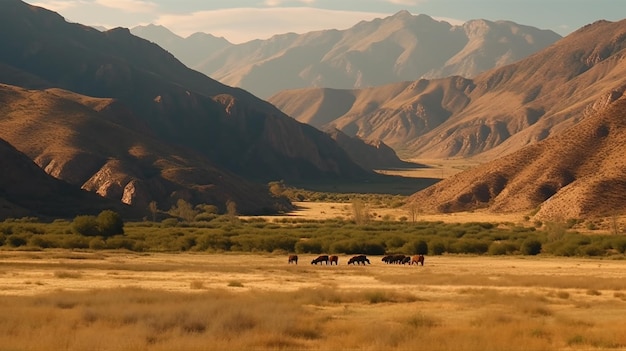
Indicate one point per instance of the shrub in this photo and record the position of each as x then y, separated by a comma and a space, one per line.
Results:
17, 240
497, 248
85, 225
437, 247
308, 246
110, 223
418, 247
169, 222
97, 244
471, 246
74, 242
531, 246
40, 241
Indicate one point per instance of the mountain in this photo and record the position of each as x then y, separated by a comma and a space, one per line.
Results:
371, 53
579, 173
371, 154
78, 139
192, 50
495, 113
26, 190
122, 109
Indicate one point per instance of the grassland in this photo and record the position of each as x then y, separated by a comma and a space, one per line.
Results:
58, 299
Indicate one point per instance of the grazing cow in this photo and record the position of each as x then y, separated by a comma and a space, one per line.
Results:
397, 259
293, 259
358, 260
417, 259
334, 259
387, 259
406, 259
320, 259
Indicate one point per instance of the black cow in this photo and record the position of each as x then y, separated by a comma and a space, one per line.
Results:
359, 259
320, 259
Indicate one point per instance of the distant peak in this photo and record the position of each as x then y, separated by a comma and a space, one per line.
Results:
402, 13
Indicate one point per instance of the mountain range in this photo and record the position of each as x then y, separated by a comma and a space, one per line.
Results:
402, 47
120, 116
491, 115
126, 121
549, 128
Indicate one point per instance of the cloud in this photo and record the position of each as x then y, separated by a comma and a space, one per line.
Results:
129, 6
245, 24
59, 5
281, 2
406, 2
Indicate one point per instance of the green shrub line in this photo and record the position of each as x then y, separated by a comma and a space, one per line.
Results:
225, 233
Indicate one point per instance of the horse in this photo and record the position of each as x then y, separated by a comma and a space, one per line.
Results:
332, 259
293, 259
358, 260
320, 259
417, 259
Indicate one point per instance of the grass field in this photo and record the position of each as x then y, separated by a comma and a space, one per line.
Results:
73, 300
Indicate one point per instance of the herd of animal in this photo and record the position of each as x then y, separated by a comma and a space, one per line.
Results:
362, 259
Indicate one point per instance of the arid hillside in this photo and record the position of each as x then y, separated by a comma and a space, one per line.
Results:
491, 115
370, 53
579, 173
77, 139
26, 190
95, 94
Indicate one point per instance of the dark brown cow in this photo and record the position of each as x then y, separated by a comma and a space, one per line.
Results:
358, 260
417, 259
293, 259
320, 259
332, 259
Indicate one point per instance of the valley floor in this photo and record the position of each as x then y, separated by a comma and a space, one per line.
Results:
75, 300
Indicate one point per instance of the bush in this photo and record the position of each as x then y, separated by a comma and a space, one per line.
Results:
16, 240
308, 246
97, 244
531, 247
110, 223
418, 247
85, 225
437, 247
169, 222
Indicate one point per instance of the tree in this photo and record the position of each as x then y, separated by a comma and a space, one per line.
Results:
184, 210
360, 212
277, 188
85, 225
152, 206
413, 210
231, 211
110, 223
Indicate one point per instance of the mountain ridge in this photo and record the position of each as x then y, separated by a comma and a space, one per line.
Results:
400, 47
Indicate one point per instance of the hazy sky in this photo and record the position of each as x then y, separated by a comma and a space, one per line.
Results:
244, 20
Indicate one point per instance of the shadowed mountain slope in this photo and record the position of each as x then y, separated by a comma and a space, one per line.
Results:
579, 173
494, 114
371, 53
142, 89
26, 190
77, 138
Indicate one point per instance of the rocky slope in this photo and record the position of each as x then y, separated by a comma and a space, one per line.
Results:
579, 173
491, 115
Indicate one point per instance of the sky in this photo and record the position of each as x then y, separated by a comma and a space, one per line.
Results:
243, 20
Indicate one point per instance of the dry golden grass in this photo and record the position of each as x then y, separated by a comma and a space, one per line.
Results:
111, 301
